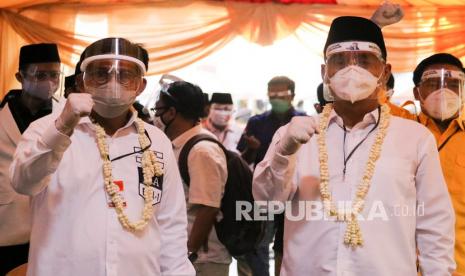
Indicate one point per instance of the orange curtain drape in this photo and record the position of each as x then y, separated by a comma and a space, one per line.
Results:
181, 32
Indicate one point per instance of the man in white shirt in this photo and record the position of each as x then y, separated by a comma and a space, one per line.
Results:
365, 189
221, 123
106, 193
39, 75
178, 112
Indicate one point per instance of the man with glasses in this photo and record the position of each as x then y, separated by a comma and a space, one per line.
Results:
105, 190
439, 83
39, 74
220, 121
254, 144
365, 188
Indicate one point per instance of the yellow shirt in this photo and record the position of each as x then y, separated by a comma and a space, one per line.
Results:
451, 145
400, 112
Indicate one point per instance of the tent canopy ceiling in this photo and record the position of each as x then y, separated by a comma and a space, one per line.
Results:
21, 4
177, 33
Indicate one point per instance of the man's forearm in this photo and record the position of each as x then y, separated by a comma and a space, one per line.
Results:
203, 223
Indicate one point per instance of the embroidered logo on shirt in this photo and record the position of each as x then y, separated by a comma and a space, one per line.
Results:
157, 181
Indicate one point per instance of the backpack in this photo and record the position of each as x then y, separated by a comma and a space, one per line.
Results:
238, 236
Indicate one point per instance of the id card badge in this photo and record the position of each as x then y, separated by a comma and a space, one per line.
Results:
120, 185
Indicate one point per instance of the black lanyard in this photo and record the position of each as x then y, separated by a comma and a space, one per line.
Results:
359, 144
139, 151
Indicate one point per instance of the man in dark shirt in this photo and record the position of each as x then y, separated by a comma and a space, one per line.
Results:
39, 75
253, 145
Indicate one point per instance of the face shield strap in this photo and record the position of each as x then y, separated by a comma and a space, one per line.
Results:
354, 46
280, 94
113, 56
442, 74
166, 93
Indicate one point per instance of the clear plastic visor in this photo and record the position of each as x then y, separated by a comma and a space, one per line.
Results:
112, 79
364, 59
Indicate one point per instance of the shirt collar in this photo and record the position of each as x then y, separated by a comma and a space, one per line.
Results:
183, 138
426, 121
369, 118
86, 120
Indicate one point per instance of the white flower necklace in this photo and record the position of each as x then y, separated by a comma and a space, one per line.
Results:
150, 168
353, 234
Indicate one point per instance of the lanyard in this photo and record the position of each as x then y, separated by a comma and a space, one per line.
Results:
359, 144
135, 152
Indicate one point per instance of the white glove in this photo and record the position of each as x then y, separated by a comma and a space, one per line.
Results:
77, 106
387, 14
299, 131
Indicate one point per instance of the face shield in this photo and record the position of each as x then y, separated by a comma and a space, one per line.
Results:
164, 84
440, 92
112, 81
166, 80
41, 80
353, 70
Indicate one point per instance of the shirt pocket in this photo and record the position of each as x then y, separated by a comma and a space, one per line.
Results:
457, 182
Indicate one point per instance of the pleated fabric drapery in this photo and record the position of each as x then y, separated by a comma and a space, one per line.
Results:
180, 32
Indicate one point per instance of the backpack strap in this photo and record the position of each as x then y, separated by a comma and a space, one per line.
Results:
182, 161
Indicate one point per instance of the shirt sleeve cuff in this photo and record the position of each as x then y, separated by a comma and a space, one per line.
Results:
208, 203
54, 139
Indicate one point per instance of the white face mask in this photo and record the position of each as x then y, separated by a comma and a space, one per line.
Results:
353, 83
112, 99
442, 104
220, 117
43, 90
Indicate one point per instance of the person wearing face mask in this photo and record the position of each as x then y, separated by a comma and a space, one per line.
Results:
178, 113
439, 83
106, 194
220, 121
386, 98
355, 160
260, 128
39, 75
254, 143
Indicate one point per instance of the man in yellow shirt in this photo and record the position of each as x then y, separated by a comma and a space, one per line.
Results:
395, 109
439, 83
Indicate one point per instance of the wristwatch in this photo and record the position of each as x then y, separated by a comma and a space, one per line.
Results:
192, 256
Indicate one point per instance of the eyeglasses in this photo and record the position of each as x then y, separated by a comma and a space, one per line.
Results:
158, 108
365, 60
101, 76
43, 75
